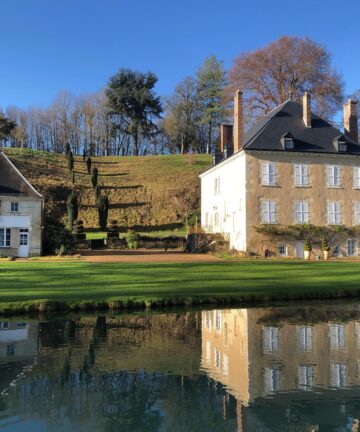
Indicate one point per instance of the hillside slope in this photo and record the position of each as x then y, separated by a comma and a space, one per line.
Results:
149, 191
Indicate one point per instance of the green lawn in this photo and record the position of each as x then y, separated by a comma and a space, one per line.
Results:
75, 283
95, 235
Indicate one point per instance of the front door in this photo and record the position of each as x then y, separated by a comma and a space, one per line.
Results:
299, 249
24, 243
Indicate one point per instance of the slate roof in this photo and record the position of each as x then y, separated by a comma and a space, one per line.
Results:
12, 182
266, 134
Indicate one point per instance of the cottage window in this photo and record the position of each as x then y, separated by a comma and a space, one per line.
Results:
333, 176
225, 364
334, 213
302, 175
356, 177
14, 207
301, 212
268, 174
305, 377
268, 212
5, 237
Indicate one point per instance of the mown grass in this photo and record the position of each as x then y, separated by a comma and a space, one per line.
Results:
40, 286
98, 235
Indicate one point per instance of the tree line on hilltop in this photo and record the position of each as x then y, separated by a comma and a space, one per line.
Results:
127, 117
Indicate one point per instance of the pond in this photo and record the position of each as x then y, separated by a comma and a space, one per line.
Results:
291, 368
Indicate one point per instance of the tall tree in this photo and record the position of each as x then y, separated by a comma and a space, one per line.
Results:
211, 82
290, 65
102, 205
72, 208
131, 98
183, 115
6, 127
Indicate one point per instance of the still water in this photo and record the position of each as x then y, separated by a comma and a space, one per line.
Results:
258, 369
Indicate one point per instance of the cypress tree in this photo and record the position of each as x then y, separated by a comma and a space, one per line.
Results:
88, 164
72, 208
70, 165
102, 205
67, 149
84, 154
94, 177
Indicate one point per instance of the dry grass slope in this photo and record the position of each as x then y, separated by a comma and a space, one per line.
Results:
150, 191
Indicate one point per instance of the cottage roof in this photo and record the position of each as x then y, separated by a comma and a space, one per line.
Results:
12, 182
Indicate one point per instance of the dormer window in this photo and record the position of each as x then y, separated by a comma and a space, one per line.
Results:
341, 144
287, 141
289, 144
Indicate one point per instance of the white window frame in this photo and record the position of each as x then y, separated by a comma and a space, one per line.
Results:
14, 207
333, 176
301, 212
271, 339
337, 336
305, 338
357, 213
338, 374
356, 177
337, 250
268, 212
305, 377
282, 250
268, 174
334, 213
272, 379
353, 249
6, 238
217, 186
301, 175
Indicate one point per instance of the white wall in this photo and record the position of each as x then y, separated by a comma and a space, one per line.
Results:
229, 204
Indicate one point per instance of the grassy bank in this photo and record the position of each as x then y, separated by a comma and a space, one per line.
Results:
42, 286
150, 193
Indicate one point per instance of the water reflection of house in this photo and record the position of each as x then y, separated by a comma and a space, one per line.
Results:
254, 355
18, 340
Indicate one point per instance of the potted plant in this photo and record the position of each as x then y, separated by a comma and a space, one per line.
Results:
307, 249
325, 248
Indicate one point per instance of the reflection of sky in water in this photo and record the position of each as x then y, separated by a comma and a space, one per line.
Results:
284, 369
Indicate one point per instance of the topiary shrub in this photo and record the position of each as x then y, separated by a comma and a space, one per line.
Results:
94, 177
102, 205
308, 246
88, 164
113, 229
72, 208
132, 239
79, 230
325, 245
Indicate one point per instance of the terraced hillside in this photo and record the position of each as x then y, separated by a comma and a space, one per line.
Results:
150, 191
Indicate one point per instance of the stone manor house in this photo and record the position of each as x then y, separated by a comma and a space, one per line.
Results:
292, 167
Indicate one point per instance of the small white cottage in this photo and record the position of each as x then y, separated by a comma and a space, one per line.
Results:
21, 209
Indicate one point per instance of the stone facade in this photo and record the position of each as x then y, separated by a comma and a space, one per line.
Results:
293, 168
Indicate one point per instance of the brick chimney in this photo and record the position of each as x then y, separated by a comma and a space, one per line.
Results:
351, 120
238, 121
226, 136
307, 109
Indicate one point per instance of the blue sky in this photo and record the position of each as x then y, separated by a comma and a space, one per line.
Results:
76, 45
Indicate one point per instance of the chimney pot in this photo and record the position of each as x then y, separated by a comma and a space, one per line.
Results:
351, 120
307, 109
238, 121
